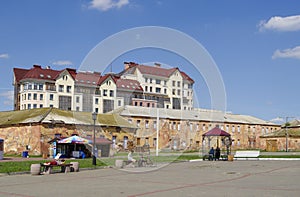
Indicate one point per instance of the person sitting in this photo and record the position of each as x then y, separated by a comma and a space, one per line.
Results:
130, 157
211, 154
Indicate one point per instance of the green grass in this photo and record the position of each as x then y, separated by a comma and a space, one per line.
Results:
24, 166
279, 156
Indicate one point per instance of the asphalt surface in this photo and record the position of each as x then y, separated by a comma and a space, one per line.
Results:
201, 178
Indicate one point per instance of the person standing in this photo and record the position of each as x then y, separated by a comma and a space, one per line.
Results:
218, 153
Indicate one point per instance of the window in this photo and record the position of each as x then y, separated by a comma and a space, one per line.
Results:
51, 106
147, 124
111, 93
138, 122
41, 97
174, 125
141, 103
146, 80
165, 82
173, 91
35, 86
179, 127
150, 89
157, 81
60, 88
104, 92
203, 127
173, 83
29, 96
96, 110
178, 92
119, 102
146, 88
227, 128
29, 106
40, 86
191, 126
77, 99
41, 105
69, 89
77, 108
233, 129
239, 129
51, 97
165, 90
34, 106
34, 96
157, 90
154, 125
150, 80
178, 83
96, 101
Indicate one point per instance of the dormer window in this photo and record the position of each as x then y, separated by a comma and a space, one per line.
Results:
41, 75
49, 76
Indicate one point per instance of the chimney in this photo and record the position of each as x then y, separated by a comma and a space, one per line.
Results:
126, 65
157, 65
37, 66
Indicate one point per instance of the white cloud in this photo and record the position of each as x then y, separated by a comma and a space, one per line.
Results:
277, 120
8, 97
287, 53
104, 5
278, 23
62, 63
4, 56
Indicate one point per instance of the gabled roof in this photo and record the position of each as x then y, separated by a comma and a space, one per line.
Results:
124, 84
87, 78
37, 72
155, 70
129, 84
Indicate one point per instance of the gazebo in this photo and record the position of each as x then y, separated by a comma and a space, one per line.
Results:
217, 133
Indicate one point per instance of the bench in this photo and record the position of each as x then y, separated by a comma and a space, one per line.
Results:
249, 154
48, 168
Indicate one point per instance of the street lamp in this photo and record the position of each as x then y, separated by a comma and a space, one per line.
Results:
157, 129
94, 116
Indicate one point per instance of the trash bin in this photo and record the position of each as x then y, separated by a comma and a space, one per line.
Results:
25, 154
230, 157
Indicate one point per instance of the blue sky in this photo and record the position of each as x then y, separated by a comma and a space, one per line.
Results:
254, 43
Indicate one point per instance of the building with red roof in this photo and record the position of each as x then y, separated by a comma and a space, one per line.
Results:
137, 85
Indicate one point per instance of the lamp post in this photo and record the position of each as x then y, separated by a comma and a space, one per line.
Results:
94, 116
157, 130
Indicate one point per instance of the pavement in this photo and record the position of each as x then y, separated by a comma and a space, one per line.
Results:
200, 178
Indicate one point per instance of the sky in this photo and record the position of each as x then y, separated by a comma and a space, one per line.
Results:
255, 44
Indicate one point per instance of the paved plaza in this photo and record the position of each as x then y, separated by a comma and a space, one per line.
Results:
201, 178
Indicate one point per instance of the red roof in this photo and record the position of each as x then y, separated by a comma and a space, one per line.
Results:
125, 84
128, 84
88, 78
37, 72
156, 71
216, 132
